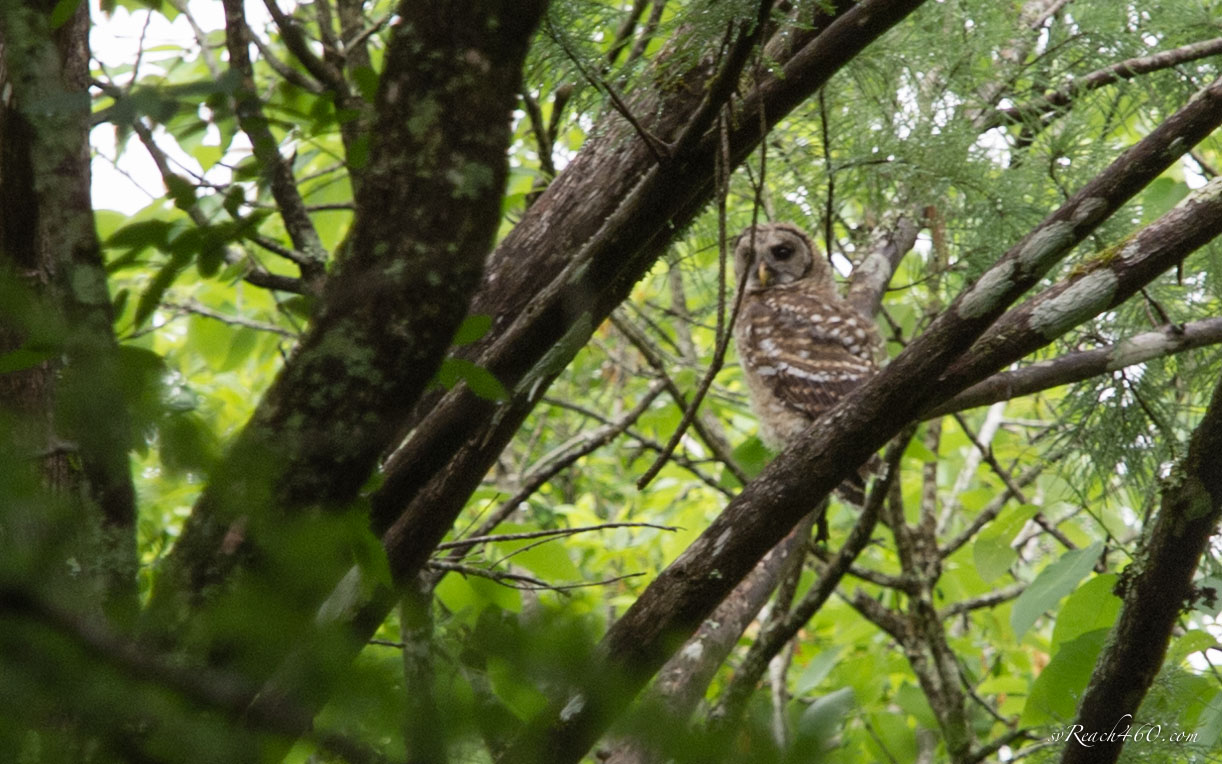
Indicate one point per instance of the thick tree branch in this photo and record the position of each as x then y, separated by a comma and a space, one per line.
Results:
390, 309
1122, 70
49, 247
279, 174
768, 644
687, 591
1076, 367
1101, 283
203, 688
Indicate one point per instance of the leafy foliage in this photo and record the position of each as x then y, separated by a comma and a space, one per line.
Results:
210, 295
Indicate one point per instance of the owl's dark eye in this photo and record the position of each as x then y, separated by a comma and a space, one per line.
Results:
782, 252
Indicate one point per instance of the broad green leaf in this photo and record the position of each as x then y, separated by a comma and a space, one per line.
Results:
515, 690
816, 670
480, 380
911, 699
548, 561
242, 343
24, 358
1211, 601
1193, 641
992, 551
1092, 607
209, 338
1209, 724
469, 595
186, 444
822, 719
472, 329
161, 281
1056, 691
751, 456
919, 451
63, 10
1053, 583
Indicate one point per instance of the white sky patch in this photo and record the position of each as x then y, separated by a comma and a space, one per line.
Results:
996, 147
127, 181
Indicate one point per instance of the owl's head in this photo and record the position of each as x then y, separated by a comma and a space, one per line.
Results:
777, 253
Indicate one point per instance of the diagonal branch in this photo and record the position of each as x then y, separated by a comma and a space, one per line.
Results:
1076, 367
1122, 70
1101, 283
687, 591
280, 175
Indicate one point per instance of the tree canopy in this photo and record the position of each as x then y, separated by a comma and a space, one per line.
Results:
402, 422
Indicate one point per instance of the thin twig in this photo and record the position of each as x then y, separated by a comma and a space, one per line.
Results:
1014, 490
660, 150
295, 41
596, 439
719, 448
496, 538
191, 306
722, 333
506, 578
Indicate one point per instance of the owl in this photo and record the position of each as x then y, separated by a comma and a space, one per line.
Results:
801, 345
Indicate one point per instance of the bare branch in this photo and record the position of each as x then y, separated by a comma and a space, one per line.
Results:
471, 540
191, 306
509, 579
1082, 365
280, 175
1099, 78
778, 633
295, 41
992, 599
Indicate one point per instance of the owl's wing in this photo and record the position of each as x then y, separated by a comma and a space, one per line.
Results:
811, 352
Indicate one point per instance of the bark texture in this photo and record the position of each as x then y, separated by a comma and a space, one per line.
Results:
428, 209
68, 408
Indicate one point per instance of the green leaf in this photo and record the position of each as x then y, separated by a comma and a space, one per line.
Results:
823, 718
919, 451
911, 699
549, 561
517, 693
472, 329
1092, 607
1209, 724
162, 281
63, 10
1053, 583
23, 358
1193, 641
366, 82
186, 444
480, 380
752, 456
468, 596
992, 551
817, 670
1056, 691
1211, 602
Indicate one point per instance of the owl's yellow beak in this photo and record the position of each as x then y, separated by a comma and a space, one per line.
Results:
764, 274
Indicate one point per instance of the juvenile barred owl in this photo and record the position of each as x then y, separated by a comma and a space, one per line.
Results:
802, 346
